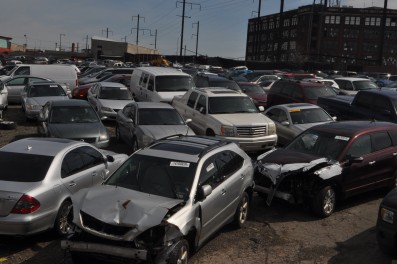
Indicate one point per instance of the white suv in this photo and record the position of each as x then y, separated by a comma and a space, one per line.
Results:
229, 114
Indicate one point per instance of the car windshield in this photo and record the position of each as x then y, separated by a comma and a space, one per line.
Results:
230, 105
252, 89
391, 85
158, 116
73, 114
319, 144
364, 85
115, 93
312, 115
46, 90
13, 167
173, 83
155, 175
314, 92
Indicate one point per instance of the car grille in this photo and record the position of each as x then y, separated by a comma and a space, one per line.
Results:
88, 140
254, 131
97, 225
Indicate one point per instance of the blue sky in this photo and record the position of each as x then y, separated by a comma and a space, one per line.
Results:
222, 31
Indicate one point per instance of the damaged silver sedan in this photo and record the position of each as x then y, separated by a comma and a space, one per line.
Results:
164, 202
330, 162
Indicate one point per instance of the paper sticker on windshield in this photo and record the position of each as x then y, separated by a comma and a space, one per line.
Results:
179, 164
123, 88
342, 138
53, 85
210, 167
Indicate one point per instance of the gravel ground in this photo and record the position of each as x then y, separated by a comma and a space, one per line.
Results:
282, 233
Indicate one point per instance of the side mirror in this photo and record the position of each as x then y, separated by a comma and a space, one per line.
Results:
109, 158
204, 191
150, 87
41, 118
285, 123
130, 120
261, 108
104, 117
188, 121
202, 110
335, 118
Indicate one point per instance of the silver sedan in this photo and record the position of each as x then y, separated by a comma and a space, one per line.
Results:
141, 123
38, 177
292, 119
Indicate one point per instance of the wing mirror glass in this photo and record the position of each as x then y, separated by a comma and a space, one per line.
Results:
285, 123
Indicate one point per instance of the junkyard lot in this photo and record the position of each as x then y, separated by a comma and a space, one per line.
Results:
281, 233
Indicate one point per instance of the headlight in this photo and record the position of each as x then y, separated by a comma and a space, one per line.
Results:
147, 140
103, 137
227, 131
386, 215
106, 109
272, 128
33, 107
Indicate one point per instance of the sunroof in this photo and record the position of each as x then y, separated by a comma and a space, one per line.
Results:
179, 148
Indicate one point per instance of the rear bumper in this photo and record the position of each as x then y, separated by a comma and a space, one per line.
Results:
23, 225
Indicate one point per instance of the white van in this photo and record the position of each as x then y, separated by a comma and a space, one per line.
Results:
159, 84
60, 73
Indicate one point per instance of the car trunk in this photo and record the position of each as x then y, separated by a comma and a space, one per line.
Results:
11, 192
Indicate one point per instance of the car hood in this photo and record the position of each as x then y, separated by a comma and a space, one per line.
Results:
158, 131
76, 130
390, 199
115, 104
303, 127
43, 100
243, 119
120, 206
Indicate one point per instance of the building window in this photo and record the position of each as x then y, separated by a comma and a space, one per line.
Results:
293, 33
330, 32
372, 21
271, 24
352, 20
285, 33
332, 19
391, 22
350, 33
284, 46
292, 45
264, 25
294, 21
286, 22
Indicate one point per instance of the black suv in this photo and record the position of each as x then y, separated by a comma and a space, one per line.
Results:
386, 226
291, 91
212, 80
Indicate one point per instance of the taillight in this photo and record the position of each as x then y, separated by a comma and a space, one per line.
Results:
26, 205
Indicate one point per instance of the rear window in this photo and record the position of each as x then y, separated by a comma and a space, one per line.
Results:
173, 83
20, 167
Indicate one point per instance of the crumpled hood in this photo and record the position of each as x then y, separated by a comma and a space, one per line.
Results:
120, 206
286, 156
115, 104
243, 119
157, 131
43, 100
76, 130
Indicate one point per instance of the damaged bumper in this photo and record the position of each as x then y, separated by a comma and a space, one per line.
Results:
84, 247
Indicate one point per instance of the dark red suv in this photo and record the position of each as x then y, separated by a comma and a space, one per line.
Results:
330, 162
290, 91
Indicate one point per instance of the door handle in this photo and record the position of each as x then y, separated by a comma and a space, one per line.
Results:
242, 176
94, 174
223, 192
371, 162
71, 184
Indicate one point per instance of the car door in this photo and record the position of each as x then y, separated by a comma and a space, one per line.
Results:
187, 111
14, 87
126, 127
151, 94
92, 96
142, 93
200, 117
81, 168
274, 114
43, 120
375, 164
213, 207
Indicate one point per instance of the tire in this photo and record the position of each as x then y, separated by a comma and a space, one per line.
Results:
323, 204
62, 223
240, 217
135, 146
7, 125
180, 253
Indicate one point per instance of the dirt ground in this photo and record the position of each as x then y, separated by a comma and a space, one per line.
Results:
282, 233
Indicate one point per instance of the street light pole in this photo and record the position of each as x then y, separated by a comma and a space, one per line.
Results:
60, 41
26, 42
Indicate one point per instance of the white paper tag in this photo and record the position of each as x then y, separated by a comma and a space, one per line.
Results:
179, 164
210, 167
342, 138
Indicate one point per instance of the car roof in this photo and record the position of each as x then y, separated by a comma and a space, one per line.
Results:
39, 146
303, 83
352, 79
186, 148
352, 128
220, 92
162, 71
152, 105
70, 102
296, 106
111, 84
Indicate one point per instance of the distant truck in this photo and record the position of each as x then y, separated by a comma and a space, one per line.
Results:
373, 104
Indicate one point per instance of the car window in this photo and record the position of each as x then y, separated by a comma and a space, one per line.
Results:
72, 163
297, 93
209, 174
16, 81
150, 85
22, 71
228, 163
34, 79
91, 157
364, 100
360, 147
349, 86
380, 140
202, 104
273, 114
381, 104
192, 99
393, 135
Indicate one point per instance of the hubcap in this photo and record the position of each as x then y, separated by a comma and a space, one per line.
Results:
182, 259
329, 201
243, 210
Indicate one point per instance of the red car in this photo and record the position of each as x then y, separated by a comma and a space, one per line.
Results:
330, 162
256, 92
81, 91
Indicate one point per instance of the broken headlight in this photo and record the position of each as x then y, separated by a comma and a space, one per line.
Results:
387, 215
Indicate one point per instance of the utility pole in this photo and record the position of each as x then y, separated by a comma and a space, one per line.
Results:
382, 34
259, 9
183, 20
107, 32
137, 27
197, 35
155, 38
86, 44
125, 39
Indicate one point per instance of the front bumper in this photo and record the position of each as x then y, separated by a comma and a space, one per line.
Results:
32, 114
251, 144
94, 248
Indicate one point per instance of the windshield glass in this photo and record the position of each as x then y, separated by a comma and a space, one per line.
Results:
319, 144
173, 83
13, 167
313, 115
115, 93
46, 90
252, 89
230, 105
314, 92
154, 175
73, 114
364, 85
159, 117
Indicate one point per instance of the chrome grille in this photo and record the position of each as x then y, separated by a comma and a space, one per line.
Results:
254, 131
97, 225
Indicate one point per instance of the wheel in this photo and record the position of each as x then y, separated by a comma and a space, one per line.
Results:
135, 146
63, 221
241, 214
180, 253
210, 133
118, 138
324, 202
7, 125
